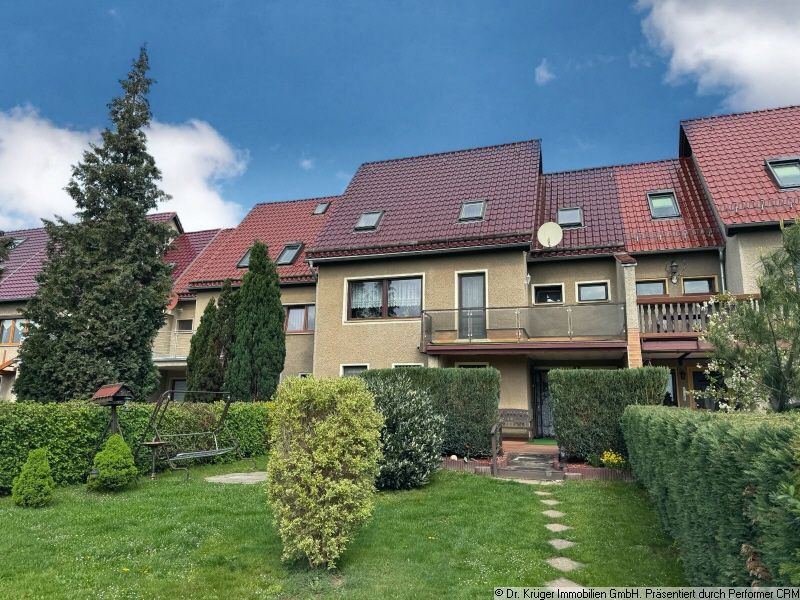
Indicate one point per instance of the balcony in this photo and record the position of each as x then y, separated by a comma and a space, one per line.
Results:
172, 345
536, 327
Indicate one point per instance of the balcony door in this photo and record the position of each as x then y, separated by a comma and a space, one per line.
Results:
472, 306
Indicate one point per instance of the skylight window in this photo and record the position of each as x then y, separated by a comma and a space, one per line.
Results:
288, 254
16, 242
785, 172
320, 208
369, 221
472, 210
663, 205
570, 217
245, 262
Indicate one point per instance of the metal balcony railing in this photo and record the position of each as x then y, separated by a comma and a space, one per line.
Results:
523, 324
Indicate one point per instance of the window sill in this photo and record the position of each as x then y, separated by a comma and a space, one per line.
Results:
384, 320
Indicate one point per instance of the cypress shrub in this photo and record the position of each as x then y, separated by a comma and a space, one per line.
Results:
588, 404
325, 438
70, 430
724, 487
114, 468
411, 436
34, 486
467, 398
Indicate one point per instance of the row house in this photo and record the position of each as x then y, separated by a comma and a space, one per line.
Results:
436, 261
18, 284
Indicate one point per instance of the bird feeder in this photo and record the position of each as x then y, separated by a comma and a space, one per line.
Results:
112, 395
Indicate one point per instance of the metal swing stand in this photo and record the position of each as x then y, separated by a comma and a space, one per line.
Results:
168, 445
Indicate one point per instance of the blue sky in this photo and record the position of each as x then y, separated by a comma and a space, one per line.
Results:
287, 99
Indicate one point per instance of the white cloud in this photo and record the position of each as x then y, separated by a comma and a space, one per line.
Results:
741, 48
306, 164
36, 157
543, 74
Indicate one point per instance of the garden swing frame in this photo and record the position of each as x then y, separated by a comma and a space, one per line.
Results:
167, 445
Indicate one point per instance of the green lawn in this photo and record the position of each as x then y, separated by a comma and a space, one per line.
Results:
542, 442
463, 533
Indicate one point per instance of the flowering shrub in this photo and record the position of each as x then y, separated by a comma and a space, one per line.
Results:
613, 460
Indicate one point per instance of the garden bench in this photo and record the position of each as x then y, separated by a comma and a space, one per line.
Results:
517, 418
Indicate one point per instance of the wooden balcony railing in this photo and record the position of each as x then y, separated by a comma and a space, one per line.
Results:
678, 314
172, 344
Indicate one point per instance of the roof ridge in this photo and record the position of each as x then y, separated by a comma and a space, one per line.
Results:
632, 164
446, 152
8, 233
739, 114
202, 230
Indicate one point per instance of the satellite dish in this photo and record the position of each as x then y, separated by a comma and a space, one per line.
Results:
549, 234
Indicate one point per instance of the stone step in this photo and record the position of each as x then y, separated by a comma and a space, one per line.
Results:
530, 474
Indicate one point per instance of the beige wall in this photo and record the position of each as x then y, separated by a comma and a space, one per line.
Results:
690, 264
570, 272
515, 388
742, 258
382, 343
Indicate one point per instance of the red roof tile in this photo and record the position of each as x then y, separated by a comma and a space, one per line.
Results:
186, 247
18, 277
616, 211
421, 198
275, 224
731, 151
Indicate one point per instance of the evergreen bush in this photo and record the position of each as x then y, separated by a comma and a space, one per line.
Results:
69, 431
34, 486
725, 488
114, 468
412, 433
588, 404
467, 398
325, 437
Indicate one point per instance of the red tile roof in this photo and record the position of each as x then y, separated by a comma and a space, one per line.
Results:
25, 261
166, 217
731, 151
275, 224
616, 212
421, 198
186, 248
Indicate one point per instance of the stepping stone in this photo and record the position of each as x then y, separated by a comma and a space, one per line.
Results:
550, 502
554, 514
563, 564
560, 544
246, 478
562, 582
557, 527
538, 493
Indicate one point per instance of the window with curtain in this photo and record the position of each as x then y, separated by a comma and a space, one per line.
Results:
385, 298
300, 318
12, 331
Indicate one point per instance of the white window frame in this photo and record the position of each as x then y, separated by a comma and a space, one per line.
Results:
343, 365
578, 284
462, 219
321, 208
554, 284
485, 293
406, 364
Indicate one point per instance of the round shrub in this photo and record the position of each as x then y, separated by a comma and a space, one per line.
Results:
34, 486
114, 467
412, 433
325, 440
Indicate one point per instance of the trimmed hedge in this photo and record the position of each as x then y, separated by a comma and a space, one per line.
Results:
719, 483
69, 431
467, 398
588, 404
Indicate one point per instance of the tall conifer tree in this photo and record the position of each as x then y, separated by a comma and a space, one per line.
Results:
259, 348
104, 286
203, 366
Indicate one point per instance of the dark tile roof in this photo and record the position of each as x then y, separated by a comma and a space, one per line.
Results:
275, 224
731, 151
617, 214
25, 261
421, 198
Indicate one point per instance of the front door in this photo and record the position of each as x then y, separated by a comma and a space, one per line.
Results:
472, 306
542, 406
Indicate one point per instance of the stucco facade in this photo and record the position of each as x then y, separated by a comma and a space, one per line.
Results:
742, 258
